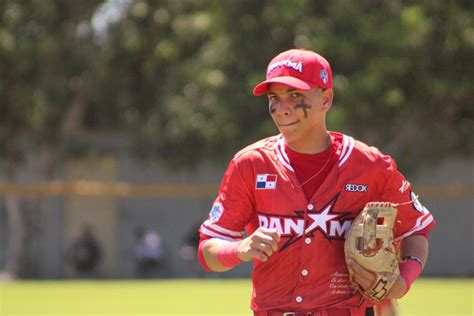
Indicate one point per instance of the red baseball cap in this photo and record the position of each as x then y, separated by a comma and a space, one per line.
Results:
298, 68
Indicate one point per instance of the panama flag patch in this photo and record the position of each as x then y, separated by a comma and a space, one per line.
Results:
266, 181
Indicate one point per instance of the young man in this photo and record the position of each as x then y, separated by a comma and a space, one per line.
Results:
295, 195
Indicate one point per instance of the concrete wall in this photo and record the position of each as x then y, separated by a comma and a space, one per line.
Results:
99, 213
452, 240
172, 218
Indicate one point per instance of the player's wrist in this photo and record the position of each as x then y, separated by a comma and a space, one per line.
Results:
398, 289
227, 254
410, 268
414, 258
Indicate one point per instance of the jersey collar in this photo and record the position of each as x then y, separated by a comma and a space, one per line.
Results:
343, 151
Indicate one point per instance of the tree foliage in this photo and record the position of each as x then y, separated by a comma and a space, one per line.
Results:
47, 61
177, 75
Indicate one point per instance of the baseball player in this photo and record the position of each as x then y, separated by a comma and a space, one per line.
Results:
287, 201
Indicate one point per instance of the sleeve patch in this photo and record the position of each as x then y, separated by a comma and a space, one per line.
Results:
216, 212
416, 203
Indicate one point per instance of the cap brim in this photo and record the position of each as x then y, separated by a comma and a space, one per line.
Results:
293, 82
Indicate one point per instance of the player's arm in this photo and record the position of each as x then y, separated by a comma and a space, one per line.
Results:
413, 223
222, 255
414, 253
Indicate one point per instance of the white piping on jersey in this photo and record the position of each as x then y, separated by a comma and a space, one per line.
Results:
345, 140
283, 151
222, 230
347, 147
280, 150
421, 223
213, 234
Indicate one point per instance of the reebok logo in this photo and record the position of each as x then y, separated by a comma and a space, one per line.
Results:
350, 187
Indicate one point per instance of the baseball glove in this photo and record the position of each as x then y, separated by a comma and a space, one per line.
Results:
369, 242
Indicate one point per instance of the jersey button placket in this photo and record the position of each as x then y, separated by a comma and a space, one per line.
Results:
310, 207
304, 278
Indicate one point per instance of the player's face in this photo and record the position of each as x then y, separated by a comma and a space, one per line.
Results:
299, 114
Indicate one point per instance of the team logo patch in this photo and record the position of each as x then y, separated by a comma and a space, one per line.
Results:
266, 181
216, 212
323, 74
351, 187
416, 203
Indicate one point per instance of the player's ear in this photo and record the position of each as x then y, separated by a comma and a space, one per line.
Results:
327, 96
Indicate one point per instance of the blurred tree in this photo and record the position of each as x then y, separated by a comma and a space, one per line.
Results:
404, 75
180, 73
47, 61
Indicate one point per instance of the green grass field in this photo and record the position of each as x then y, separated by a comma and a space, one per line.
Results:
195, 297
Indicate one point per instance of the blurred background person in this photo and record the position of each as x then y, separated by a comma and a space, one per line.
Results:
85, 253
149, 253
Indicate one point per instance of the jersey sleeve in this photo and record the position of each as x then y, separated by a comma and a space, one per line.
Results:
412, 218
233, 207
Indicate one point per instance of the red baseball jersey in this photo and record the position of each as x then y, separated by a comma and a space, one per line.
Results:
308, 271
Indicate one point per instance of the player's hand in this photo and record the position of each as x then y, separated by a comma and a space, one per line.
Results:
260, 245
362, 277
365, 279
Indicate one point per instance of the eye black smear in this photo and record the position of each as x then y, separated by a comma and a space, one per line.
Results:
305, 108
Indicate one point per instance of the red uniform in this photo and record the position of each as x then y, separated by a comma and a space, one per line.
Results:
308, 272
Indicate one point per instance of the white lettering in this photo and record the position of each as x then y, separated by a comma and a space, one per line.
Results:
298, 66
356, 187
337, 230
262, 221
405, 186
294, 226
276, 224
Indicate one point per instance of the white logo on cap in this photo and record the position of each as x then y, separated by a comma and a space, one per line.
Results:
323, 74
298, 66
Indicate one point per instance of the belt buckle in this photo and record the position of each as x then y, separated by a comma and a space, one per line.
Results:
289, 314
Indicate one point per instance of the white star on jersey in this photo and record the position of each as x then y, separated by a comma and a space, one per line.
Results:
320, 220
